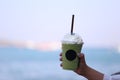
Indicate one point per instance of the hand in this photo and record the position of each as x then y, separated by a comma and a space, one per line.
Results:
86, 71
82, 67
81, 70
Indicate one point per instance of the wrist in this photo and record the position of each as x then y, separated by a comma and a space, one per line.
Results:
85, 71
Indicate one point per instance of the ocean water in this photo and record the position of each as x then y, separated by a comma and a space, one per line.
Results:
25, 64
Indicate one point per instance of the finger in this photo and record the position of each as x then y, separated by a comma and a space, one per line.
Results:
61, 59
61, 65
60, 54
82, 58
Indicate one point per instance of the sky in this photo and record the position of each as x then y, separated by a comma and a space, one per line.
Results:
96, 21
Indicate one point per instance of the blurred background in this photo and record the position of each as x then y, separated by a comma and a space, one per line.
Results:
31, 32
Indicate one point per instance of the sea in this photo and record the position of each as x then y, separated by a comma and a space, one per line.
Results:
30, 64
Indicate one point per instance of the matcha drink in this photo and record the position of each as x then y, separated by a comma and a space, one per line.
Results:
71, 47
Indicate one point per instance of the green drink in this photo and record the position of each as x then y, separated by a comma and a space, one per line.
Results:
71, 47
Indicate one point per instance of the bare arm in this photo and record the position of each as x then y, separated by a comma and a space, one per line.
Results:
86, 71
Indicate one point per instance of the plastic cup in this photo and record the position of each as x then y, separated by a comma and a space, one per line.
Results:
71, 47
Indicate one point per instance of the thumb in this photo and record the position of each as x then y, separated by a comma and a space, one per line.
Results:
82, 58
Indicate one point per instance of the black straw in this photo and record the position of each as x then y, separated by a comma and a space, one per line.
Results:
72, 24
